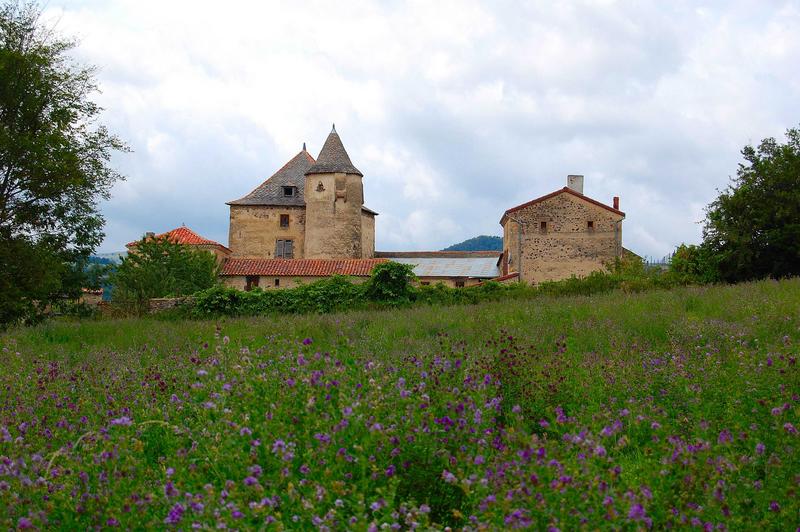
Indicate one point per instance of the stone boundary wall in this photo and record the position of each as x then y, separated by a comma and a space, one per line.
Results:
159, 304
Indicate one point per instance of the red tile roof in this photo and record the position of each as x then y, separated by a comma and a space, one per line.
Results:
300, 267
556, 193
184, 235
506, 277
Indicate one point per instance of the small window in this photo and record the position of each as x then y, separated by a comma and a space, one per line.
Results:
277, 282
459, 284
543, 227
289, 192
284, 220
590, 225
284, 249
425, 283
250, 282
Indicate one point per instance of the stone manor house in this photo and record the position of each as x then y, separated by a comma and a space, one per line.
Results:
309, 221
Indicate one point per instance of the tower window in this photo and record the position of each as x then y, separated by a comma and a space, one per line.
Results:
289, 192
590, 225
283, 249
284, 220
543, 227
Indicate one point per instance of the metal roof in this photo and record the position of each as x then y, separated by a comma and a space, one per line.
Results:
479, 267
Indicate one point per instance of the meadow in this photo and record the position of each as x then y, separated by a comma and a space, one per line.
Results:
662, 409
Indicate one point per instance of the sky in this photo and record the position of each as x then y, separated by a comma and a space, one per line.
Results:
454, 111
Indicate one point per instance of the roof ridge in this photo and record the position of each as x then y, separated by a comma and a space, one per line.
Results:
556, 193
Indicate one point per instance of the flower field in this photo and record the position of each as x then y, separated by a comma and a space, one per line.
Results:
662, 409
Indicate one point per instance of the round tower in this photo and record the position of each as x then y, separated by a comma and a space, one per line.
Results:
334, 196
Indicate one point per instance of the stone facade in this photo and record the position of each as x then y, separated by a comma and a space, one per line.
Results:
333, 216
255, 230
268, 282
560, 235
367, 234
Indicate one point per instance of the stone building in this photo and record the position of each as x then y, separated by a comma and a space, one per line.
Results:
308, 209
311, 212
559, 235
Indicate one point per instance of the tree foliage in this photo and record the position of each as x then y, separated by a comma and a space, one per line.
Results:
753, 228
159, 268
54, 163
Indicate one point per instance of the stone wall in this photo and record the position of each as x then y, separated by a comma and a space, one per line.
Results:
448, 281
254, 230
159, 304
267, 282
367, 235
333, 216
567, 246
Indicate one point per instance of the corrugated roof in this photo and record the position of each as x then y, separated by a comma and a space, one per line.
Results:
270, 192
184, 235
300, 267
566, 190
476, 267
438, 254
333, 158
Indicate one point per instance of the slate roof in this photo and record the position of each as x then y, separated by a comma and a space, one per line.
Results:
184, 235
564, 190
333, 158
300, 267
270, 192
471, 267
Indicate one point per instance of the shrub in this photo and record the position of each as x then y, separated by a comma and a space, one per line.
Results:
390, 282
161, 268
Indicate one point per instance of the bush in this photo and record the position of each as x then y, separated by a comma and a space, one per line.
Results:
161, 268
390, 282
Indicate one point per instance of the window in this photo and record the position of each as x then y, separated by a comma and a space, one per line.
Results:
289, 192
284, 220
425, 283
590, 225
459, 284
543, 227
277, 282
250, 282
283, 249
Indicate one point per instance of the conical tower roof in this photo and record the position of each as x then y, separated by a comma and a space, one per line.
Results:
333, 158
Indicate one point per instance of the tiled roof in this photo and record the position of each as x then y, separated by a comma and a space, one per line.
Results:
300, 267
184, 235
452, 266
270, 192
506, 277
333, 158
438, 254
566, 190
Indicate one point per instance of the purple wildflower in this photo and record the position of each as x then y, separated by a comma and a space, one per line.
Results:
175, 514
124, 420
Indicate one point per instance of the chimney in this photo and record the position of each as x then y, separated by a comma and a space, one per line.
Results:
575, 182
616, 202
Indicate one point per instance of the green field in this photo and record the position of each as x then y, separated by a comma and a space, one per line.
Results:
666, 408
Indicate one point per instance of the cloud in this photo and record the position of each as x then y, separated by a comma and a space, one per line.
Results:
454, 111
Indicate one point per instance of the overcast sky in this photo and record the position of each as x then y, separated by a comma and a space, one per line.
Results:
453, 111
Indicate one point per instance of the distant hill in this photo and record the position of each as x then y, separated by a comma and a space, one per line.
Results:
479, 243
108, 258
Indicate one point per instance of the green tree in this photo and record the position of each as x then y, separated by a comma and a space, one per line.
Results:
159, 267
390, 282
694, 264
753, 227
54, 164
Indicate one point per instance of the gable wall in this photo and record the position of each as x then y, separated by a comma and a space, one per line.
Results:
254, 230
567, 247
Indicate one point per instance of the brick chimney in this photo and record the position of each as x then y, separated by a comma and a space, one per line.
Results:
616, 202
575, 182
